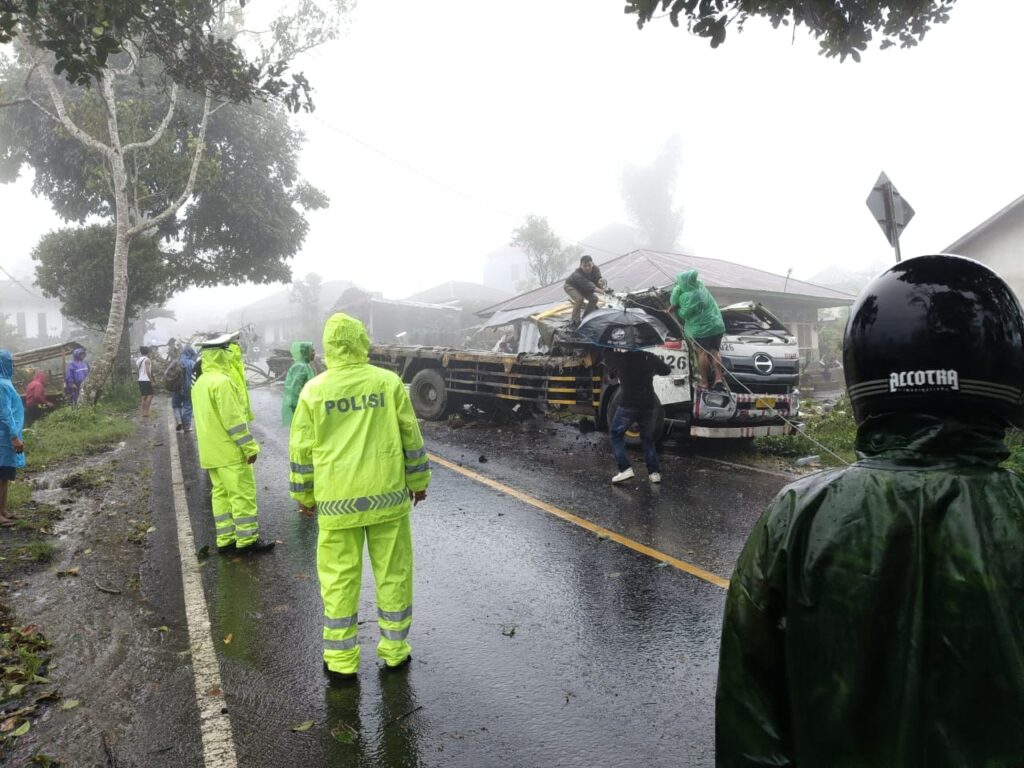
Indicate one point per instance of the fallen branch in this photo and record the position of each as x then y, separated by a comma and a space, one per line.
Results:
108, 590
394, 720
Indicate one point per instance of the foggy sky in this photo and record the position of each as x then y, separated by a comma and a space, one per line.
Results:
536, 107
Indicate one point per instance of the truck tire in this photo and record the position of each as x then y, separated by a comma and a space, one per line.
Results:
633, 433
429, 394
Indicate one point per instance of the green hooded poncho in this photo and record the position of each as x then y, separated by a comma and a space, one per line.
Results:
876, 617
300, 372
697, 308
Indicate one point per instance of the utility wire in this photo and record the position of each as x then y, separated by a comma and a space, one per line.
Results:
21, 285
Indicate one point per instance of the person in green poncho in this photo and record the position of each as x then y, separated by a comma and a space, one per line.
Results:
702, 323
875, 616
296, 378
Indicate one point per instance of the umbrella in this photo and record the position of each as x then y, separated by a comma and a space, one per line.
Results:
621, 329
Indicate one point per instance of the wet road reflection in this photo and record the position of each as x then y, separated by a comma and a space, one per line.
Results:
535, 642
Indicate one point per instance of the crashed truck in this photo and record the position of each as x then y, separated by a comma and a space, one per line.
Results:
543, 363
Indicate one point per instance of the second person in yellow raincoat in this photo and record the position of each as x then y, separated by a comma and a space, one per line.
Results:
358, 462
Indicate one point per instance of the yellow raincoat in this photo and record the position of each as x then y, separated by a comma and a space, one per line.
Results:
357, 453
225, 445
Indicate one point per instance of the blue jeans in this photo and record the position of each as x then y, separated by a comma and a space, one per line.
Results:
623, 419
182, 407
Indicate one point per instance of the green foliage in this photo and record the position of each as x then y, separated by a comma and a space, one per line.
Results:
70, 432
186, 36
649, 194
836, 430
306, 294
243, 222
546, 256
842, 27
1015, 442
74, 266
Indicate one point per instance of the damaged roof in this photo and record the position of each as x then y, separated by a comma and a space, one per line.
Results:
643, 269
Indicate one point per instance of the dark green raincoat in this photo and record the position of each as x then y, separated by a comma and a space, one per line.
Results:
876, 615
697, 308
296, 378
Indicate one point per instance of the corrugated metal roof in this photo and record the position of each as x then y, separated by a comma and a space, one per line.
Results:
644, 269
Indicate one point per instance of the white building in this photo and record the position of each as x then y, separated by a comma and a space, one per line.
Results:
34, 316
998, 242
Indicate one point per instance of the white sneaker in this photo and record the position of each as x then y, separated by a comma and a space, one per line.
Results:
626, 474
654, 477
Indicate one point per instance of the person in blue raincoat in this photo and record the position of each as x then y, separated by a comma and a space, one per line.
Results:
12, 420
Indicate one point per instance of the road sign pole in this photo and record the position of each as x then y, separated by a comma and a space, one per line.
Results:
890, 205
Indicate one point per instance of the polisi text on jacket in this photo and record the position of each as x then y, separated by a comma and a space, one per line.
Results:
356, 403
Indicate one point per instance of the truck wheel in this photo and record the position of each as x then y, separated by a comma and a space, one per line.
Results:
633, 433
429, 394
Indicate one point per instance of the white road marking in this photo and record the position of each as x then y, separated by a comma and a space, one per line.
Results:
214, 724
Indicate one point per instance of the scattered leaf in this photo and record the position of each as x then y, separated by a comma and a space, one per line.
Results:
344, 733
16, 689
509, 631
8, 725
67, 572
229, 638
163, 629
662, 564
215, 691
70, 704
602, 536
151, 529
40, 679
303, 727
22, 729
87, 552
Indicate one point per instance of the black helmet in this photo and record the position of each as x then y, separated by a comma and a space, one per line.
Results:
942, 335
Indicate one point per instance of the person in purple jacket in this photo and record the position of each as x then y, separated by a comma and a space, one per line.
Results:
75, 375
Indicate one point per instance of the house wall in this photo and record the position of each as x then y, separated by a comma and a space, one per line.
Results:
34, 317
1001, 246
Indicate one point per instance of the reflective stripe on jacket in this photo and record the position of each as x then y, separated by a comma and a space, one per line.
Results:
355, 448
220, 413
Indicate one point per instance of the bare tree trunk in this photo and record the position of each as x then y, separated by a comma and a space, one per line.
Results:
101, 368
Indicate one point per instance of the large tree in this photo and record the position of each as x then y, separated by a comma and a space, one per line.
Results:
842, 27
74, 266
547, 257
649, 194
217, 180
187, 36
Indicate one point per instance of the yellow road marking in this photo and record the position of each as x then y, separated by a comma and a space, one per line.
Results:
636, 546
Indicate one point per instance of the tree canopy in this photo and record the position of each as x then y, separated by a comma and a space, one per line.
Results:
74, 266
842, 27
546, 256
649, 195
187, 36
245, 218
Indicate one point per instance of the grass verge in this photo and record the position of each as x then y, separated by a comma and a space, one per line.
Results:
835, 430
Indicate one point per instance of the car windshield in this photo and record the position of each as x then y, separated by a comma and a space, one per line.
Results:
750, 321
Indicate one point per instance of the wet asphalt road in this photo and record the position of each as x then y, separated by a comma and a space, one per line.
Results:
536, 643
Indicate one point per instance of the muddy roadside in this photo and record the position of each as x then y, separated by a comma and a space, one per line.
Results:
93, 652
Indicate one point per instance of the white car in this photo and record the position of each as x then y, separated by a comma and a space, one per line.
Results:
758, 351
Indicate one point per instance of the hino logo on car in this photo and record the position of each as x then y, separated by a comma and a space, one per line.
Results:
924, 380
763, 363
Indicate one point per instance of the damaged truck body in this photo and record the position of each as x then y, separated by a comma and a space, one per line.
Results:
543, 364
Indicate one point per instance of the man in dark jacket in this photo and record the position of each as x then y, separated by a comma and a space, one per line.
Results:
637, 404
875, 616
583, 287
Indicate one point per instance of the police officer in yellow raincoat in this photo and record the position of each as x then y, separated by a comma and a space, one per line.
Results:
227, 449
358, 462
